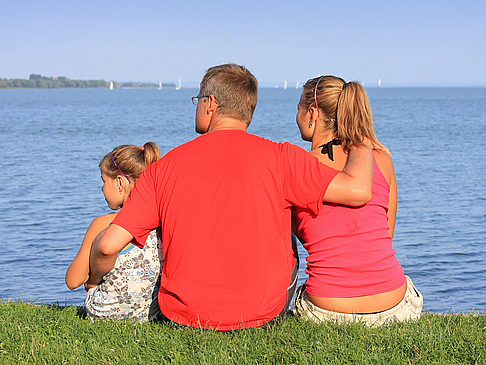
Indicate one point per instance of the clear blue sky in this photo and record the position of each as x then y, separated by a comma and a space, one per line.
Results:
402, 42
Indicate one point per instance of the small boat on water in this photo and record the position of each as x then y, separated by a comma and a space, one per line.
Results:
179, 86
160, 85
111, 85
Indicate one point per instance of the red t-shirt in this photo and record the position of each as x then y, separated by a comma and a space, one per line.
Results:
223, 201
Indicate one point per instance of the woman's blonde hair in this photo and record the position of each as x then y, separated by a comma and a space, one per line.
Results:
129, 160
345, 107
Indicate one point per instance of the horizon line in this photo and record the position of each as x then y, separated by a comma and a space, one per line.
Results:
291, 84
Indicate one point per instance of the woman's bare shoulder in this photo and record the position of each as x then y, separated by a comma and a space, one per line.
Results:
385, 163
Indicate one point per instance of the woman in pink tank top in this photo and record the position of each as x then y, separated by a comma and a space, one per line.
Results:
353, 272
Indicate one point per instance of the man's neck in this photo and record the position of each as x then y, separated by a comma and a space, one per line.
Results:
227, 123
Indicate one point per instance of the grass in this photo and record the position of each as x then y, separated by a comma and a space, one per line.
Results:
61, 335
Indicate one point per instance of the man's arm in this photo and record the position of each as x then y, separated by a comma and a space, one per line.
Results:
353, 186
104, 251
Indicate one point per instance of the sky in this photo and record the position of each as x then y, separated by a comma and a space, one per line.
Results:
407, 43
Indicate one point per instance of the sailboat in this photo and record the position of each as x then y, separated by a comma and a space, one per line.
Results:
111, 85
285, 84
160, 85
178, 87
379, 82
297, 85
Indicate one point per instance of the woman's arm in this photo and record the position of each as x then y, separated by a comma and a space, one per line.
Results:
392, 205
385, 163
78, 272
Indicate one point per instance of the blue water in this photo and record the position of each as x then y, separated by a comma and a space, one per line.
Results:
50, 189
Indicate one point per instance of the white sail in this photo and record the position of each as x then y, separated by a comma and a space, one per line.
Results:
379, 82
111, 85
179, 86
285, 84
297, 85
160, 85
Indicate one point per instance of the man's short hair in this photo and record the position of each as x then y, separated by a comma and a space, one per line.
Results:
234, 88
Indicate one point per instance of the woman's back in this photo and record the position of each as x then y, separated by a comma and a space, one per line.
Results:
353, 272
350, 249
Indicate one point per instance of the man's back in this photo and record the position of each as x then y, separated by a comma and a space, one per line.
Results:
222, 200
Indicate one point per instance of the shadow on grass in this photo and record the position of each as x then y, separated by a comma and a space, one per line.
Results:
80, 310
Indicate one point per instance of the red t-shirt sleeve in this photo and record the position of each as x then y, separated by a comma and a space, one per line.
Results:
306, 179
139, 214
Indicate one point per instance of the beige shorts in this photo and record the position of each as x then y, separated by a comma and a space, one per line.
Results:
408, 309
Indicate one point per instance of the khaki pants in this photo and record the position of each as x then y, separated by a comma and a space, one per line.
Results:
409, 308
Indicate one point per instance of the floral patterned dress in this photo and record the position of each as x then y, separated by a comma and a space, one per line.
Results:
128, 290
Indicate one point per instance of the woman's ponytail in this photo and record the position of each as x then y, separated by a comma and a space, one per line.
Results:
345, 107
354, 121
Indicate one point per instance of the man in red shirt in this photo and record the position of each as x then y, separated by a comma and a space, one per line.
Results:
223, 201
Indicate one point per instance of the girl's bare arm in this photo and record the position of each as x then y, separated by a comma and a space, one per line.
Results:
78, 272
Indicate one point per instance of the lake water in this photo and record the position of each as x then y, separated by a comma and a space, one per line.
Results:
50, 187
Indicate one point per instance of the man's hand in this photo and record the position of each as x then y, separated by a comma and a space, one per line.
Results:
383, 148
376, 146
353, 186
88, 285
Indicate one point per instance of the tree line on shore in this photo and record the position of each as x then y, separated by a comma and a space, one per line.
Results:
36, 81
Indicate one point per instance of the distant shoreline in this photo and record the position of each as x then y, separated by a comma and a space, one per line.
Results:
36, 81
71, 88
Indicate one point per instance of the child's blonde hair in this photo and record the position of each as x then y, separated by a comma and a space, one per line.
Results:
129, 160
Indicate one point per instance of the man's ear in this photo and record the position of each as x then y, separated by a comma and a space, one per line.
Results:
212, 104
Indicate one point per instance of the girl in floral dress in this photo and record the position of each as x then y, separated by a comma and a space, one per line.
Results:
129, 290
